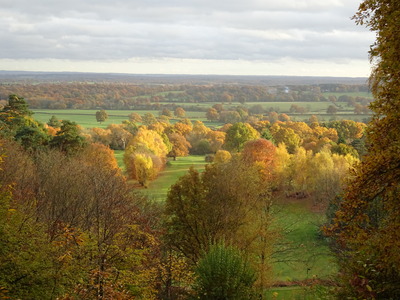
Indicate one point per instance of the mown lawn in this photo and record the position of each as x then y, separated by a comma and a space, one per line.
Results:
87, 118
119, 155
308, 255
158, 189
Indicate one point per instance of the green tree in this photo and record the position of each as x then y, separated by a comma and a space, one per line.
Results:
101, 116
343, 149
288, 137
68, 138
238, 134
17, 106
331, 110
32, 137
15, 115
54, 122
224, 273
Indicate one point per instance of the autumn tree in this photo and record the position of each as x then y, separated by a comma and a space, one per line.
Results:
119, 136
166, 112
135, 117
180, 146
198, 138
366, 226
148, 119
260, 152
101, 116
144, 145
99, 135
216, 139
179, 112
182, 128
212, 114
222, 156
288, 137
78, 223
222, 203
347, 130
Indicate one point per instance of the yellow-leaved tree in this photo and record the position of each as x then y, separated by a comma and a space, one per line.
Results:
145, 145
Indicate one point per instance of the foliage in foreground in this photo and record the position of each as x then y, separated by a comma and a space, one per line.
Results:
223, 273
366, 226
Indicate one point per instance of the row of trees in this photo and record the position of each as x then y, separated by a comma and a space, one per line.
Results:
148, 146
83, 95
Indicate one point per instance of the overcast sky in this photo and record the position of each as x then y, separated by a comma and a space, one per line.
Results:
242, 37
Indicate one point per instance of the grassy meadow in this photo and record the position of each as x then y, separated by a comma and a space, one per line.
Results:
87, 118
308, 257
158, 189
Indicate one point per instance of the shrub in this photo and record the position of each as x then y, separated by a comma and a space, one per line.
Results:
223, 273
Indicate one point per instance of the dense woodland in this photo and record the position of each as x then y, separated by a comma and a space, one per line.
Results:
74, 226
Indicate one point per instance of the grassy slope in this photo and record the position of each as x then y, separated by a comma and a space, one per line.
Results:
158, 188
309, 256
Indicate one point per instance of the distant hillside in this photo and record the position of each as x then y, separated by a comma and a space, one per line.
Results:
40, 77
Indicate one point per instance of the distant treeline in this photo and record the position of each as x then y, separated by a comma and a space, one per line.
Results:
128, 96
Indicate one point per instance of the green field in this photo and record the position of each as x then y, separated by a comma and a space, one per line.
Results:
354, 94
158, 188
308, 256
119, 155
87, 118
316, 292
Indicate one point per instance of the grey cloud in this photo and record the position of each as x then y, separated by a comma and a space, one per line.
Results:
201, 29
